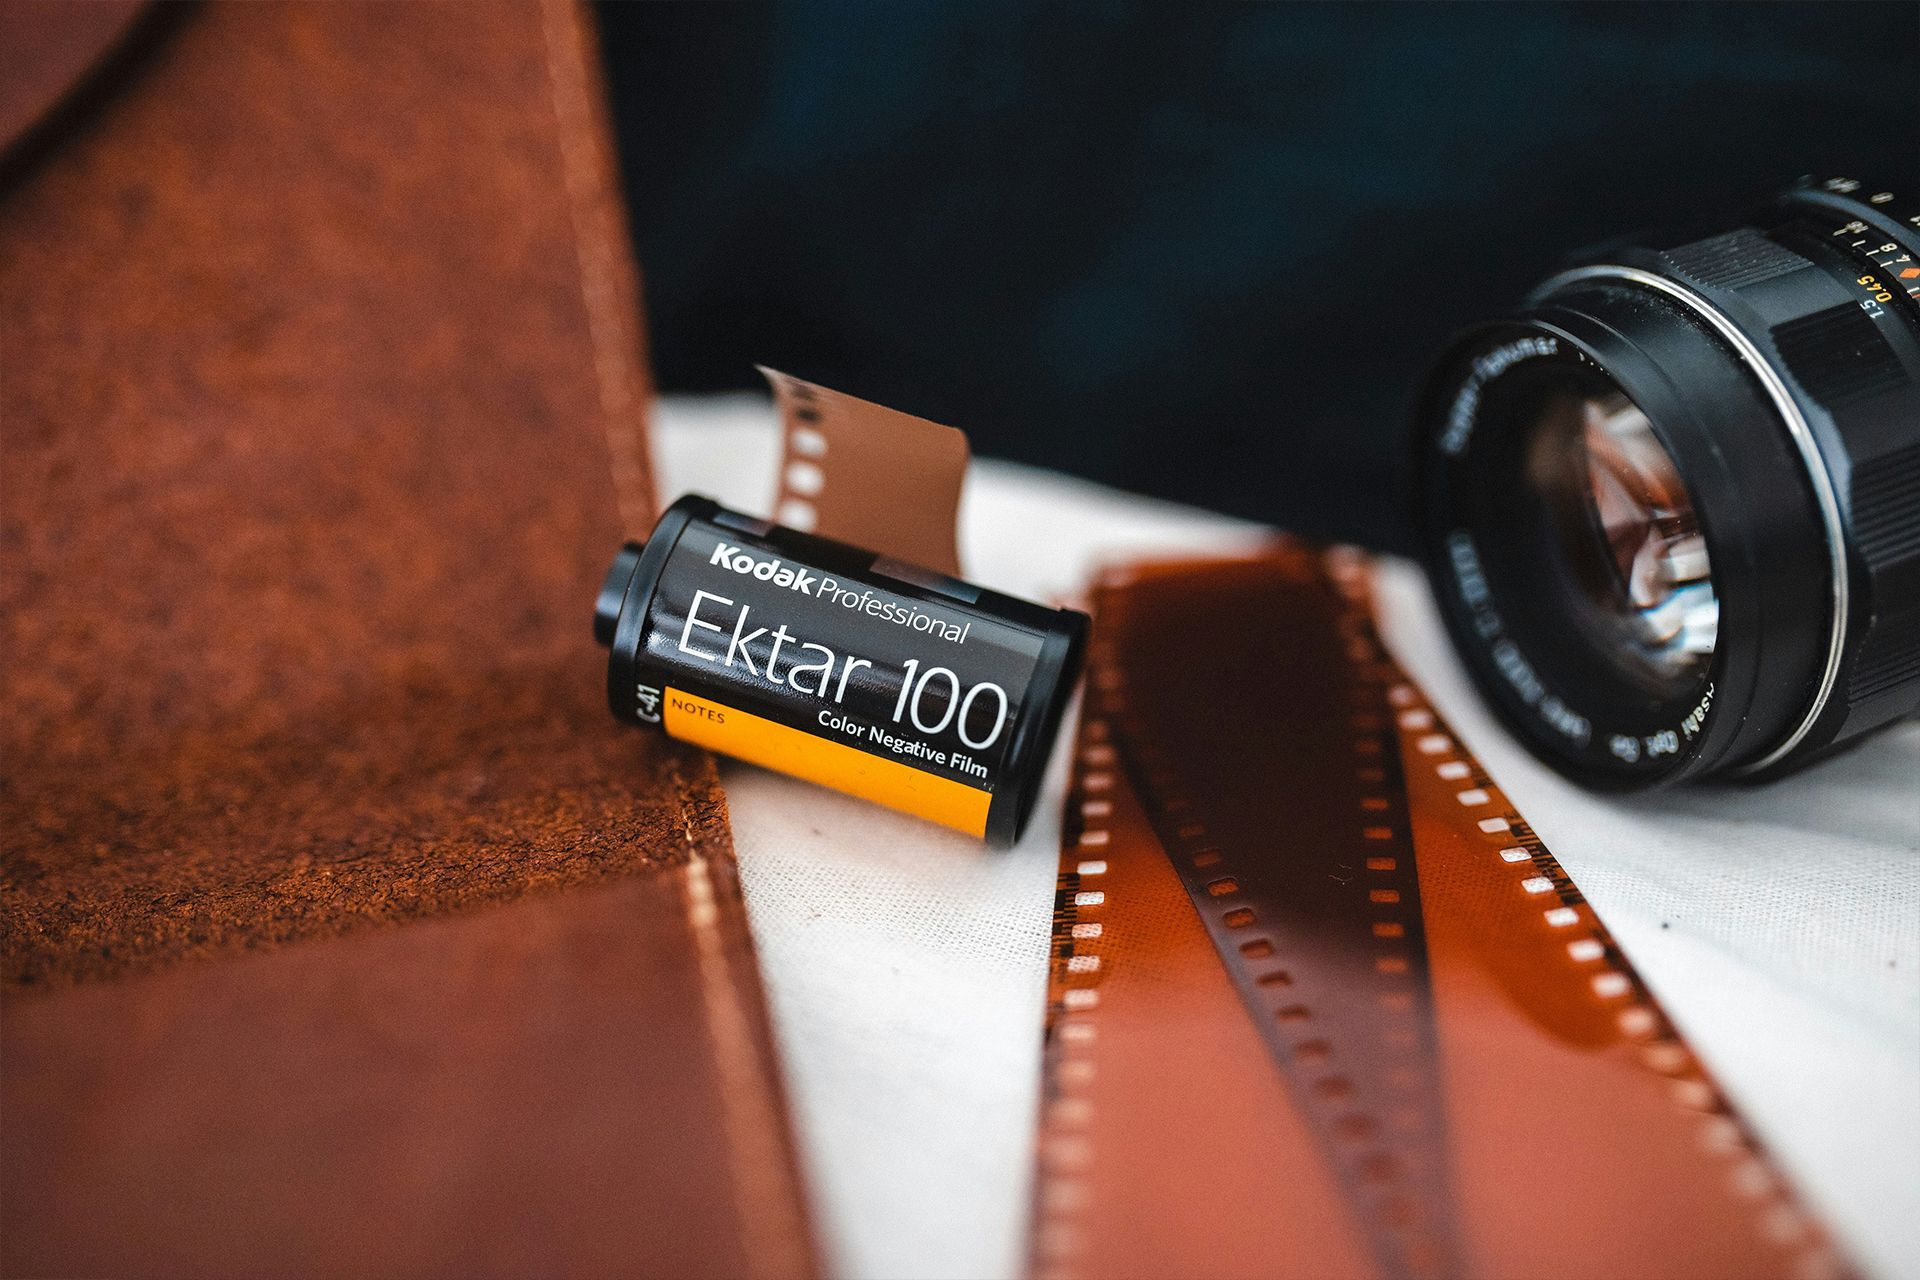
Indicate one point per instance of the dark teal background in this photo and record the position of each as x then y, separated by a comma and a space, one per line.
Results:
1203, 251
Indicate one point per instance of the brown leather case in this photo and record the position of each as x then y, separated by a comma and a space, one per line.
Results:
48, 52
322, 408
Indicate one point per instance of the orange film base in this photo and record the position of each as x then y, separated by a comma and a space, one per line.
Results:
1321, 1003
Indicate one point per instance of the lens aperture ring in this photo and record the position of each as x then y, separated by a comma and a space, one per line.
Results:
1806, 445
1778, 367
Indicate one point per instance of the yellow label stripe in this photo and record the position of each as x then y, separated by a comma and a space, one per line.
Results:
821, 759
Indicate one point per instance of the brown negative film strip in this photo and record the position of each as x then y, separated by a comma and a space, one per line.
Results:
1321, 1003
865, 474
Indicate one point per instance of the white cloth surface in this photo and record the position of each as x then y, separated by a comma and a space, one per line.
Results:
906, 965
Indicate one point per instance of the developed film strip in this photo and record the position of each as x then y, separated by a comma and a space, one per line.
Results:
1323, 1005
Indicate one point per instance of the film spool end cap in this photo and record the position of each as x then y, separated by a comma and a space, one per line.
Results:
613, 593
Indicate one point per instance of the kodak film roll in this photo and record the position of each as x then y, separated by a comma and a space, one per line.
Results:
818, 659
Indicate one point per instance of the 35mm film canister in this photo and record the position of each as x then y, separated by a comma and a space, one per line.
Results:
817, 659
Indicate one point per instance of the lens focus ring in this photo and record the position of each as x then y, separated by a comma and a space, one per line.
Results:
1807, 484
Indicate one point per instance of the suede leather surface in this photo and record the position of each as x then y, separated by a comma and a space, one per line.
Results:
308, 492
47, 52
500, 1092
345, 930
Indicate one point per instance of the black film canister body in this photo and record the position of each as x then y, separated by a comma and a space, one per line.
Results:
818, 659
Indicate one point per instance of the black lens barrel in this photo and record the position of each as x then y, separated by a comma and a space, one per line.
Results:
1779, 366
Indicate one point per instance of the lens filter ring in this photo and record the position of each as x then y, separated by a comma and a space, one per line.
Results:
1776, 367
1542, 577
1819, 478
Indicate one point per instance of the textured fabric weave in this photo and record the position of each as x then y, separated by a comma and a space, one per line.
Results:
907, 965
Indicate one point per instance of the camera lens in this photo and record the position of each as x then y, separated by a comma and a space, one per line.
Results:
1627, 531
1672, 505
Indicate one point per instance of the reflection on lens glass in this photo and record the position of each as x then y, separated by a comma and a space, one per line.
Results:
1629, 532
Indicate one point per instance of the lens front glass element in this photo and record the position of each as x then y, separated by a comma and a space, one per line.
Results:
1628, 534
